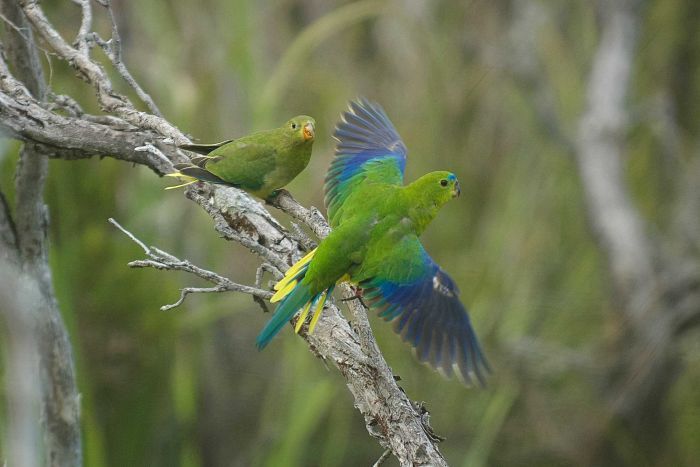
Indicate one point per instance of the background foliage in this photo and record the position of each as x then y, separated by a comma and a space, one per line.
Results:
491, 90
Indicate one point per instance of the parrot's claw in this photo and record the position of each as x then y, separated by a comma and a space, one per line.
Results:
357, 296
272, 198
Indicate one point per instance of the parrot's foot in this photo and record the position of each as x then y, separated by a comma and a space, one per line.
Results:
358, 296
275, 194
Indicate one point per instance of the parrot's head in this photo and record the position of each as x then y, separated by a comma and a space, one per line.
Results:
302, 129
441, 186
428, 194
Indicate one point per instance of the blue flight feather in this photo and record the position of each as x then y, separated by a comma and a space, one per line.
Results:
428, 314
368, 144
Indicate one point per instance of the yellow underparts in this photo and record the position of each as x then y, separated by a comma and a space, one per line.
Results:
184, 178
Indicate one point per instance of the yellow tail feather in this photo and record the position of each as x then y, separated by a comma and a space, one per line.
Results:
280, 294
302, 317
180, 186
317, 312
291, 272
183, 178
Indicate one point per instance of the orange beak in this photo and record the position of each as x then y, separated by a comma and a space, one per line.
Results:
308, 131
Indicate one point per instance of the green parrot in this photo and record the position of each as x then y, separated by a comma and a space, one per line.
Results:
260, 163
375, 245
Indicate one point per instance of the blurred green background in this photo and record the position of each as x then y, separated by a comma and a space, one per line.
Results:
465, 84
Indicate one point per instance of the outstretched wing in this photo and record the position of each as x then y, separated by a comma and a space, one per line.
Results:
408, 288
369, 148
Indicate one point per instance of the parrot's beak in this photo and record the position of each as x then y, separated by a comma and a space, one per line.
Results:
308, 131
457, 190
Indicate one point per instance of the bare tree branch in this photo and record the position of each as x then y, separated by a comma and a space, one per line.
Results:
159, 259
82, 41
72, 138
385, 455
93, 73
113, 49
239, 218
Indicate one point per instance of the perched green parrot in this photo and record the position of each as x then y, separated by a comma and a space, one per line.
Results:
260, 163
374, 244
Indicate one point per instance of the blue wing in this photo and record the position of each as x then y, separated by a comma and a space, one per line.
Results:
423, 302
369, 148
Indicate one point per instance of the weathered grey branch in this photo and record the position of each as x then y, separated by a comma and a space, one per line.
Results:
71, 138
113, 49
159, 259
94, 74
385, 455
82, 40
239, 218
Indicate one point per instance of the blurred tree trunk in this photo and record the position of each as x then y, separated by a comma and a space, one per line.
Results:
656, 288
60, 407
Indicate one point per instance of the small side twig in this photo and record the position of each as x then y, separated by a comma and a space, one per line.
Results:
300, 236
81, 41
159, 259
113, 49
269, 268
385, 455
188, 290
151, 149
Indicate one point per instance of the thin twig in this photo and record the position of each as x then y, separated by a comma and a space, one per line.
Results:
130, 235
188, 290
94, 74
150, 148
81, 39
159, 259
269, 268
300, 236
15, 27
113, 49
385, 455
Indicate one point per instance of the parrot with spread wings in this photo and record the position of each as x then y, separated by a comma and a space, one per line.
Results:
374, 244
260, 163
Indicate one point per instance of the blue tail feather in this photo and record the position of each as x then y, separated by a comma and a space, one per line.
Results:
296, 299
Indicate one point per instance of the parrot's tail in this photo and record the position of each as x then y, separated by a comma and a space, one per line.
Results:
294, 295
190, 173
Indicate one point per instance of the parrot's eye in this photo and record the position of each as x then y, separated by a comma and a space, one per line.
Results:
443, 182
294, 126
